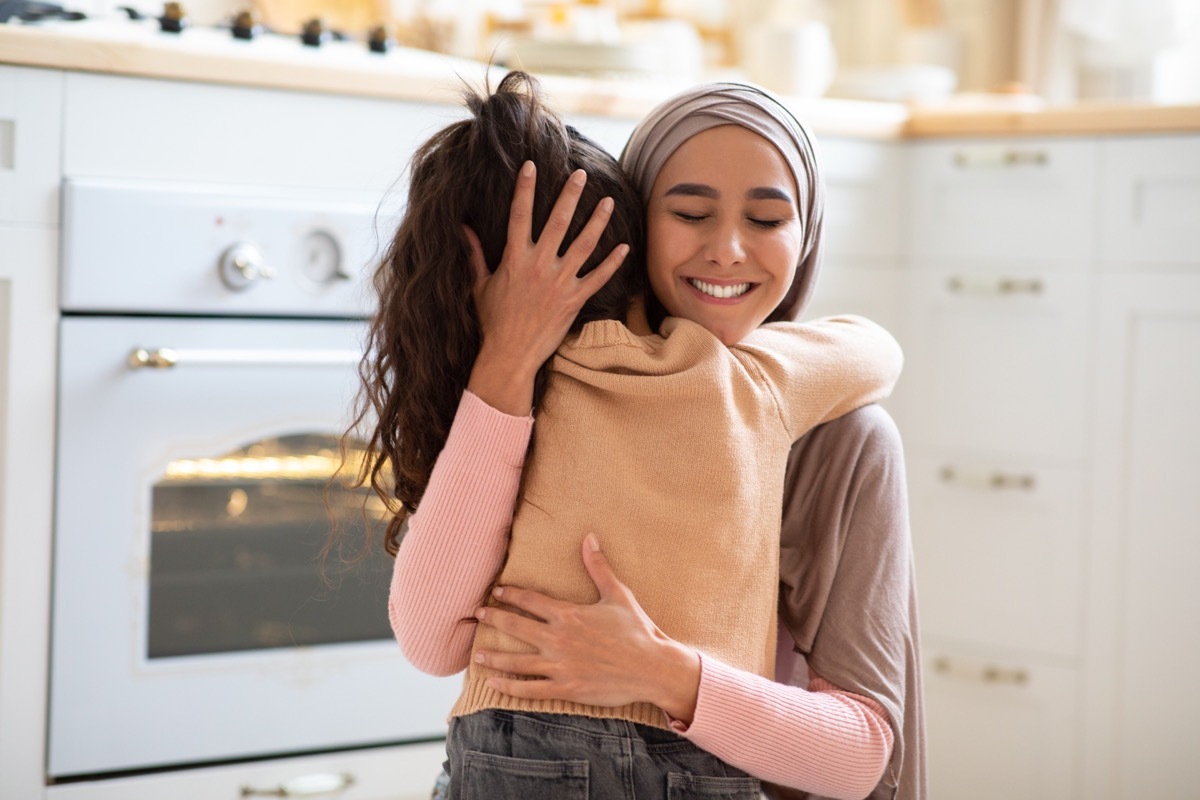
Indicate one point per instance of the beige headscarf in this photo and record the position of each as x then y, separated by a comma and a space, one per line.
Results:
710, 105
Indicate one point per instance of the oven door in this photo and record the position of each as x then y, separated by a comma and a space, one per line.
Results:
190, 620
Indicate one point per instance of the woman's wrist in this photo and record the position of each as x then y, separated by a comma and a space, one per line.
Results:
677, 681
503, 382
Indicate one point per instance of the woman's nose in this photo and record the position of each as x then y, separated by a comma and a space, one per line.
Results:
725, 247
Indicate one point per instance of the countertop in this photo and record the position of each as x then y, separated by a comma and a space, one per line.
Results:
139, 49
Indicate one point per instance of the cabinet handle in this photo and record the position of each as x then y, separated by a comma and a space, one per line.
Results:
999, 157
997, 286
987, 673
305, 786
167, 357
988, 480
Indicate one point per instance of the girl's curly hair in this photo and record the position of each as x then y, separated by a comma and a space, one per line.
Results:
424, 337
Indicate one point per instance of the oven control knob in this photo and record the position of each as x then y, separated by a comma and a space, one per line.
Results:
242, 266
313, 32
245, 25
173, 19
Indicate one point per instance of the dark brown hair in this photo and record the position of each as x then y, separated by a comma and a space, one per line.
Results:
424, 337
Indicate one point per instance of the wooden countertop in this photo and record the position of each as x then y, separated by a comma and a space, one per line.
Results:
125, 48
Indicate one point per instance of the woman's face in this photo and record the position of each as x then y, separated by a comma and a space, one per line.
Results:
723, 231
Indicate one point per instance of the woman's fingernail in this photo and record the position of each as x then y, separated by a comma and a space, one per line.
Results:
527, 168
498, 591
579, 177
480, 613
622, 250
606, 204
480, 658
592, 543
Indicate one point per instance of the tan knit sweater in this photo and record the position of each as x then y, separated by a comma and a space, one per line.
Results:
671, 449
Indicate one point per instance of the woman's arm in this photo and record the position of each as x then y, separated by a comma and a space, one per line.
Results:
456, 540
822, 739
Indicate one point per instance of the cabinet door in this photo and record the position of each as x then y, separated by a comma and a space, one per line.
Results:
998, 547
30, 144
1142, 698
863, 207
1016, 198
999, 727
996, 362
1151, 201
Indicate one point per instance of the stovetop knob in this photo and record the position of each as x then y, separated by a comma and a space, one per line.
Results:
313, 33
246, 25
378, 40
173, 19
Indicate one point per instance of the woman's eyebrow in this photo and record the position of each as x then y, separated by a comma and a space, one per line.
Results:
768, 193
693, 190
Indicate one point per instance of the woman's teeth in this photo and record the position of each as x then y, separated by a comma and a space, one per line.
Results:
721, 292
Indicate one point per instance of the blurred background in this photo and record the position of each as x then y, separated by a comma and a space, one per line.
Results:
1059, 51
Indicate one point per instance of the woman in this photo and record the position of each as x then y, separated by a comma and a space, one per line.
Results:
728, 320
847, 596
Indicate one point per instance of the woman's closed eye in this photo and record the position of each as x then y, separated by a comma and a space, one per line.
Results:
766, 223
687, 216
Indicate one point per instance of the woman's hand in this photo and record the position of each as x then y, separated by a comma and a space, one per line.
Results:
605, 654
527, 306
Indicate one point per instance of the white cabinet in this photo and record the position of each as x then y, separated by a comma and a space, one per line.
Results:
998, 546
1144, 599
30, 144
1000, 359
1150, 212
999, 729
1019, 198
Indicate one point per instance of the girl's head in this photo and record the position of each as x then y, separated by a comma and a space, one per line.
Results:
734, 204
425, 335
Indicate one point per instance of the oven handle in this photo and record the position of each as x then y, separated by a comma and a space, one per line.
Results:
304, 786
167, 357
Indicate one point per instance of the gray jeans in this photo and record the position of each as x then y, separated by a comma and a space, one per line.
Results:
506, 755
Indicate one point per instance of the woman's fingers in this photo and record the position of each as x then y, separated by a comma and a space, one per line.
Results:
520, 213
530, 690
529, 665
561, 215
589, 284
583, 244
529, 601
522, 627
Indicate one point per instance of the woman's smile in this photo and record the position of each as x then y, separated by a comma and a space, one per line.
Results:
720, 291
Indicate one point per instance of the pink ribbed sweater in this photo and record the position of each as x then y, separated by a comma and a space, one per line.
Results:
824, 740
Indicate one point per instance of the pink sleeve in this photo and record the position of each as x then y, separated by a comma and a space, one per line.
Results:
456, 541
823, 740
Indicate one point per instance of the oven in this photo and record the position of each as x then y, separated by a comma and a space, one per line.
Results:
208, 344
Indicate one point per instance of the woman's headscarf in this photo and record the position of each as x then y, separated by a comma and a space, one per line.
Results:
710, 105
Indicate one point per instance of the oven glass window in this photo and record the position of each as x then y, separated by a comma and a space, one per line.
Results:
235, 551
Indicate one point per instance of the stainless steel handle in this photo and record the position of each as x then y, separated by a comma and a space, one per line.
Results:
305, 786
984, 673
983, 479
166, 357
994, 286
999, 157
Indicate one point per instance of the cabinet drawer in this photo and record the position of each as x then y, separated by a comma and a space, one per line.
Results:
863, 208
998, 726
389, 773
997, 362
1151, 200
1022, 198
999, 549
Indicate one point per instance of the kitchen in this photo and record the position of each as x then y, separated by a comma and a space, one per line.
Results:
1034, 249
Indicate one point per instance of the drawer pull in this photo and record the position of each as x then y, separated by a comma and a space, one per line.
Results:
305, 786
168, 357
987, 673
1000, 157
988, 480
998, 286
